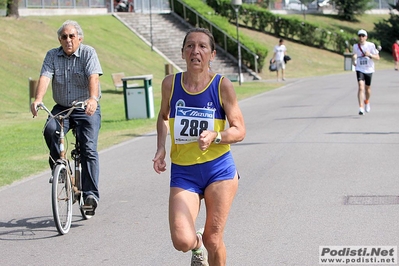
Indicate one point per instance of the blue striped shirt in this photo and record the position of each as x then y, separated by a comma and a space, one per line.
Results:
70, 74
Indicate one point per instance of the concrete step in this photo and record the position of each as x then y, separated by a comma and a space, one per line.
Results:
168, 32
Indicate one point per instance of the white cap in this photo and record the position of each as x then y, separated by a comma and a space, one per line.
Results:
362, 32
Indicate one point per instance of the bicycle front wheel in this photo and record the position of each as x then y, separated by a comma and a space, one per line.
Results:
62, 199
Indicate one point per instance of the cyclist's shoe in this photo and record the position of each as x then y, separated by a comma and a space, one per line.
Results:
90, 205
200, 256
367, 106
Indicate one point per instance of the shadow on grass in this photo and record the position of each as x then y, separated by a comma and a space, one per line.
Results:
112, 92
332, 16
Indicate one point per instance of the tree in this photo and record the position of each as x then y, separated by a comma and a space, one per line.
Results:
349, 9
305, 3
265, 3
387, 30
12, 8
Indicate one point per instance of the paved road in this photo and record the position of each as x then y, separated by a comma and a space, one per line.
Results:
314, 173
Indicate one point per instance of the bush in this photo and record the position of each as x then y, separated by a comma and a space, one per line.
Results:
223, 25
388, 30
310, 34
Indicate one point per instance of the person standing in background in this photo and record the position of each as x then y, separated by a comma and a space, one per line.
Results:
364, 53
395, 53
278, 57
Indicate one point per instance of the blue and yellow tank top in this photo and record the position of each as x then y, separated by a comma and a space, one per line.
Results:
192, 113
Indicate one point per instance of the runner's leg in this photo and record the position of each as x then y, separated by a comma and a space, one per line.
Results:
183, 211
218, 199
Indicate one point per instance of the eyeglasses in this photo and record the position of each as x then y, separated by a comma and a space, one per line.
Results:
65, 36
362, 35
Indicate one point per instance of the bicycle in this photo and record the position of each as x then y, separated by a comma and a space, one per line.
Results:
66, 184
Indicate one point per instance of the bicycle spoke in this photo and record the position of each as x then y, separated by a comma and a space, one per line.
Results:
62, 199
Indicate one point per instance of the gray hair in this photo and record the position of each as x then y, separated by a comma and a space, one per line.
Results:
70, 23
202, 30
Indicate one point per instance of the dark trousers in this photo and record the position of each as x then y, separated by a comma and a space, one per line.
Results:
87, 129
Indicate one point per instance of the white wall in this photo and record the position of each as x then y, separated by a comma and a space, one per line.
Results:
23, 12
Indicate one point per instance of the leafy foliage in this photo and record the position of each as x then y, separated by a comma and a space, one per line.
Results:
387, 30
294, 29
349, 9
189, 10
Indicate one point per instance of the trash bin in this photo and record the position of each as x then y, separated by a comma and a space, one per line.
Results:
348, 61
139, 100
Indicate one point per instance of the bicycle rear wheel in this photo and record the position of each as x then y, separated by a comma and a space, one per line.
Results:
62, 199
78, 185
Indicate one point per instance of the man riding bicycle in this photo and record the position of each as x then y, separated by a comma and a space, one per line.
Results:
74, 70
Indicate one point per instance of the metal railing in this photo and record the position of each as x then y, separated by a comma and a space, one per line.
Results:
212, 28
153, 6
63, 3
377, 4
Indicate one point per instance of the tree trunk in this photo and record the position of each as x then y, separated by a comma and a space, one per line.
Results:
12, 8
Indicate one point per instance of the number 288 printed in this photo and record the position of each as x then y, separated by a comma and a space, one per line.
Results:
193, 127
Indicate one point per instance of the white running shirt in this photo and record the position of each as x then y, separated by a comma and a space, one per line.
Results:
364, 63
279, 50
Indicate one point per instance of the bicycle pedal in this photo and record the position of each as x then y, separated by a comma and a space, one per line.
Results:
87, 208
89, 213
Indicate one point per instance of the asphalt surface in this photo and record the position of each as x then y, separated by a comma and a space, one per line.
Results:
313, 173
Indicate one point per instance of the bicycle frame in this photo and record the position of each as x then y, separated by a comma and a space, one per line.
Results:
66, 185
61, 119
75, 155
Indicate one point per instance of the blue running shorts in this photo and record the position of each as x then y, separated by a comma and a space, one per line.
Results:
197, 177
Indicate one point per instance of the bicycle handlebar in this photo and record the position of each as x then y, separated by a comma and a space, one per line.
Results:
75, 105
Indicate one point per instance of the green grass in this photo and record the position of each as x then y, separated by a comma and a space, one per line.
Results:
24, 43
309, 61
332, 22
